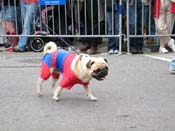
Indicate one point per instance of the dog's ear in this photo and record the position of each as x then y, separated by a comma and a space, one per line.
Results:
89, 64
84, 56
80, 56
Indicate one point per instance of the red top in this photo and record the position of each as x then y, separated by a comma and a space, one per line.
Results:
157, 5
31, 1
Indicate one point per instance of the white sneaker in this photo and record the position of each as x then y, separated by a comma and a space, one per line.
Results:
115, 51
171, 45
163, 50
110, 51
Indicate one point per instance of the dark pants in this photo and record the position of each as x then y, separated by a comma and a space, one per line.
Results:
93, 41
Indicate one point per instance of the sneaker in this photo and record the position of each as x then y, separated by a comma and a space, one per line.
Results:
163, 50
171, 45
84, 46
115, 51
111, 51
172, 69
7, 45
16, 49
133, 50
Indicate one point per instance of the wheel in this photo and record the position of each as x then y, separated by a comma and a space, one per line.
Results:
37, 45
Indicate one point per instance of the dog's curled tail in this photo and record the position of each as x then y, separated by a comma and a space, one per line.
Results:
50, 47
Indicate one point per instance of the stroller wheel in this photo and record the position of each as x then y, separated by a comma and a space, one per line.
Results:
37, 45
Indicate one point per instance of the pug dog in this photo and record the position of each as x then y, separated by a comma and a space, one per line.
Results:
75, 69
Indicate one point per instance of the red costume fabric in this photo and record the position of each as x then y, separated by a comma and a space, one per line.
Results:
31, 1
157, 5
69, 78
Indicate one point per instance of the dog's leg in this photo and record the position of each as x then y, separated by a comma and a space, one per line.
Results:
39, 88
55, 76
89, 94
57, 93
53, 82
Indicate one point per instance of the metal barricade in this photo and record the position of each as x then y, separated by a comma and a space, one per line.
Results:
75, 19
141, 22
79, 19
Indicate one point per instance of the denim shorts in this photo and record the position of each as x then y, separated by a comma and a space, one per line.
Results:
8, 13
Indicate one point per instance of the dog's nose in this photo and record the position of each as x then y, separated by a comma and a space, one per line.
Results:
104, 72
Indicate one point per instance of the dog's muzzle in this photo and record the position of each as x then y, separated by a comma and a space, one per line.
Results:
100, 73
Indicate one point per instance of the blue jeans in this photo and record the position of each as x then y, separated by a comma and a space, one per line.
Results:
28, 12
113, 42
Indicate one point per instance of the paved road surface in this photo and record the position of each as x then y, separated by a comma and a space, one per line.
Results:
138, 95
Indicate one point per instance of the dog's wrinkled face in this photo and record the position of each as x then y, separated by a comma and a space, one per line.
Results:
98, 67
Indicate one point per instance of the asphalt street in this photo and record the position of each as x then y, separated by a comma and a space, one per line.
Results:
137, 95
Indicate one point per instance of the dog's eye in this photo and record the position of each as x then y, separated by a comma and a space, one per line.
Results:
97, 70
92, 63
89, 64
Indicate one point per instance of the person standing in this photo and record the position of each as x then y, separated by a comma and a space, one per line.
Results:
29, 10
9, 10
164, 15
113, 20
135, 25
93, 14
3, 40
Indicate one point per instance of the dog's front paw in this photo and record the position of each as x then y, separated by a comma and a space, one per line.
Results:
56, 98
40, 94
93, 98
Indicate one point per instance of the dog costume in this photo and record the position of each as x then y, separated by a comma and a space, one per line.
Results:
61, 60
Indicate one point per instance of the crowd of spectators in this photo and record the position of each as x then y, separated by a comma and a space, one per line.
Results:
93, 18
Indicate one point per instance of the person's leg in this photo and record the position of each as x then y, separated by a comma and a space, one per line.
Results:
140, 27
30, 11
9, 26
94, 42
8, 23
3, 40
84, 45
170, 19
109, 28
116, 29
162, 29
132, 31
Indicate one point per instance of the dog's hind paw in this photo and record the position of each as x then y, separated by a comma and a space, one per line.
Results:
56, 98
